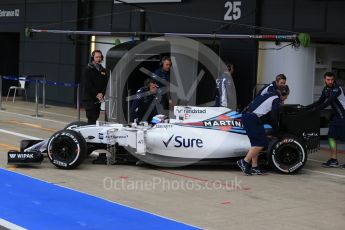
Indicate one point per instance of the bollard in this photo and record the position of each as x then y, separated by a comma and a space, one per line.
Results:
78, 101
110, 97
44, 92
36, 97
128, 106
1, 93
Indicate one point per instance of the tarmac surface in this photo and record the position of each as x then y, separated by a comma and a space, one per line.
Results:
206, 197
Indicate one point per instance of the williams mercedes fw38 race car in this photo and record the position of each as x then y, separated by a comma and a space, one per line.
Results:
197, 135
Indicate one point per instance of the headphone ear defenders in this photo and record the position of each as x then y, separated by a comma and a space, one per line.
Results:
165, 58
148, 81
92, 58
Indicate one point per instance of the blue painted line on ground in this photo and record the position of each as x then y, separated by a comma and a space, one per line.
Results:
35, 204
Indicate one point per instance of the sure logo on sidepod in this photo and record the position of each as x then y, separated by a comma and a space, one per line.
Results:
184, 142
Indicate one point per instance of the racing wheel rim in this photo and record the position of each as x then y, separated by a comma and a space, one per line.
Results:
64, 149
288, 156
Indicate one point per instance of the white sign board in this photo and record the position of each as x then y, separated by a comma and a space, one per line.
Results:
9, 13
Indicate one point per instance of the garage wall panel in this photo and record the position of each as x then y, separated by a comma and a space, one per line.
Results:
310, 15
336, 17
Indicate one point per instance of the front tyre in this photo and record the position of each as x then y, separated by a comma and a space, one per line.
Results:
287, 156
67, 149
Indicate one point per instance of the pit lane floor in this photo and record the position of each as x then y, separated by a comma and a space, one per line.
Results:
207, 197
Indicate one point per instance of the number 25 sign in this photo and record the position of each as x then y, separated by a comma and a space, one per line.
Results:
233, 10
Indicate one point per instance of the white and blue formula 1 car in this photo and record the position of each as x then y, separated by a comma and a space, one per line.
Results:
197, 135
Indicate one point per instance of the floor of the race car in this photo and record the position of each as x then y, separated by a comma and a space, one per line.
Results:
35, 204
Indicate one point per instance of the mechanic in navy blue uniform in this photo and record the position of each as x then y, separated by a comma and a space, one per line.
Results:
223, 84
148, 103
333, 95
162, 77
274, 86
93, 86
262, 110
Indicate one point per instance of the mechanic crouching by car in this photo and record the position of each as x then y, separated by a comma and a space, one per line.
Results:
332, 94
148, 103
263, 109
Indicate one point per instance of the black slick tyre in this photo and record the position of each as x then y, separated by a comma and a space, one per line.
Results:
287, 156
66, 149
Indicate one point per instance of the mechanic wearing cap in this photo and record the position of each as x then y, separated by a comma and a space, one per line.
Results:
162, 77
263, 109
275, 85
148, 102
93, 86
223, 83
332, 94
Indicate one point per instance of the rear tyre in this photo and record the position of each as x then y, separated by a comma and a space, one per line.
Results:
287, 156
76, 124
67, 149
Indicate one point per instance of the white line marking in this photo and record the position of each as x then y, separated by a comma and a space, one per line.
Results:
328, 174
33, 117
20, 135
10, 225
32, 110
315, 160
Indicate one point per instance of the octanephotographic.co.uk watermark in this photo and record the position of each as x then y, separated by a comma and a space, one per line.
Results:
163, 184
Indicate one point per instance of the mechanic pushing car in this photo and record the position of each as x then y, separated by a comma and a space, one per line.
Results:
264, 108
149, 102
332, 94
274, 86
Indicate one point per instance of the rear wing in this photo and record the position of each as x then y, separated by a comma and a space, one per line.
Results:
297, 120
